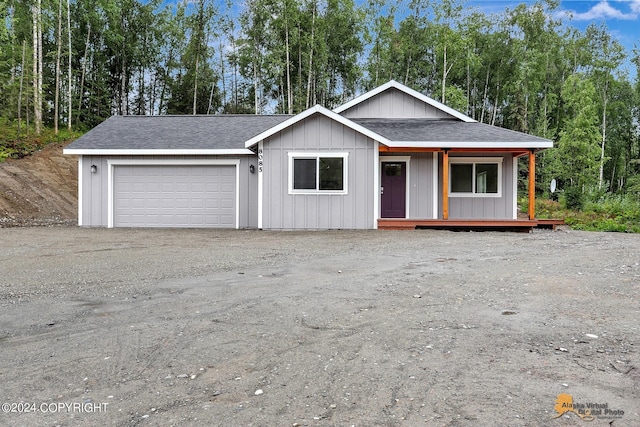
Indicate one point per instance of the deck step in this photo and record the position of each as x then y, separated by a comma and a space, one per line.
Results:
467, 224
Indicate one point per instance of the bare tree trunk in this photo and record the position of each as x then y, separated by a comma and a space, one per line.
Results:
124, 104
69, 98
495, 106
484, 97
84, 71
604, 135
213, 86
195, 85
56, 101
255, 87
224, 86
37, 66
24, 54
309, 78
288, 65
444, 73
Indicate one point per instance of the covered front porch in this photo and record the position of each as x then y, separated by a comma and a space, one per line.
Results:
443, 185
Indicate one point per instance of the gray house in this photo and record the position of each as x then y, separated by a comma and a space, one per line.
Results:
389, 158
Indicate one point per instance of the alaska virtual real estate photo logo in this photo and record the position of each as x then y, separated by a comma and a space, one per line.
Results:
587, 411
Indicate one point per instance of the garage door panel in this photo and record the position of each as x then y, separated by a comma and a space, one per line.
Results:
174, 196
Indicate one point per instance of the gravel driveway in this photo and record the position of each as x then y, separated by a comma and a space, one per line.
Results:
378, 328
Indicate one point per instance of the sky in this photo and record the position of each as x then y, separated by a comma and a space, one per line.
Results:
622, 18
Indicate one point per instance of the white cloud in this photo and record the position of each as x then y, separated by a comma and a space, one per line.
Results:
604, 10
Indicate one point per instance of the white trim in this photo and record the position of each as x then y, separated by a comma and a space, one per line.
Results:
474, 161
237, 166
260, 183
112, 163
317, 155
436, 186
515, 187
309, 112
158, 152
376, 185
80, 189
469, 144
399, 159
394, 84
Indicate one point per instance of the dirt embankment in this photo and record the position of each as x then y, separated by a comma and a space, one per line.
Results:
39, 189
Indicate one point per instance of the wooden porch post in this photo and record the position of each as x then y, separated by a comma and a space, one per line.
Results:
532, 185
445, 184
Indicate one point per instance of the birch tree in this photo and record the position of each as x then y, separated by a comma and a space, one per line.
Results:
37, 66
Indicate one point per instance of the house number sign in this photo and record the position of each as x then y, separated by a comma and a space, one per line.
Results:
260, 162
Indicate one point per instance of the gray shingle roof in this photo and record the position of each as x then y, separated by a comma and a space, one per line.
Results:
175, 132
438, 130
230, 132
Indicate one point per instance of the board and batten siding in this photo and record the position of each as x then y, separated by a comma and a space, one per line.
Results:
318, 134
485, 207
392, 104
93, 211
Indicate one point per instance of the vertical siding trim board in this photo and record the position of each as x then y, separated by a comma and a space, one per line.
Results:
112, 163
80, 190
376, 185
435, 184
515, 187
407, 185
260, 182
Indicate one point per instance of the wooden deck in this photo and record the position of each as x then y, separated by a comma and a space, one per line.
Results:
523, 225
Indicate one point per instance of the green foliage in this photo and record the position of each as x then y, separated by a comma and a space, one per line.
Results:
521, 69
573, 198
580, 136
14, 144
617, 213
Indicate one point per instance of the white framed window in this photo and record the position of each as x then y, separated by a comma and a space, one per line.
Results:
475, 176
318, 173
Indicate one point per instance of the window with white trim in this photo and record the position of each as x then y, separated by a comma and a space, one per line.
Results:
475, 176
321, 173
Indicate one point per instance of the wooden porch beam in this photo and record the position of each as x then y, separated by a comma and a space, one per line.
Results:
516, 151
385, 149
532, 185
445, 185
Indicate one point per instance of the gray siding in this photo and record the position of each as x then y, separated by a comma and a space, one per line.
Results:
318, 133
393, 103
484, 207
94, 197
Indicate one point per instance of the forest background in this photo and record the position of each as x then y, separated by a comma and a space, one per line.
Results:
67, 65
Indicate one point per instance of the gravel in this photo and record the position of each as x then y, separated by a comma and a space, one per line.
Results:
131, 327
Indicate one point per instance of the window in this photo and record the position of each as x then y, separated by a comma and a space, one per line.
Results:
475, 177
317, 173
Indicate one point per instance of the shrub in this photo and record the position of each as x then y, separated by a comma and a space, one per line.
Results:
573, 198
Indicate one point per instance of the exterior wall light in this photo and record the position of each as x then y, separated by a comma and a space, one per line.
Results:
94, 169
252, 169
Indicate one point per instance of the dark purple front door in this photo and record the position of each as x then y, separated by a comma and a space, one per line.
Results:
393, 193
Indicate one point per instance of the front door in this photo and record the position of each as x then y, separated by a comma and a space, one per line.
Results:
393, 190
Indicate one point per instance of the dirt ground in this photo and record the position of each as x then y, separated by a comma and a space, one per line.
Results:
39, 189
380, 328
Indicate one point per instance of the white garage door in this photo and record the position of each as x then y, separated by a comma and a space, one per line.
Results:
174, 196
